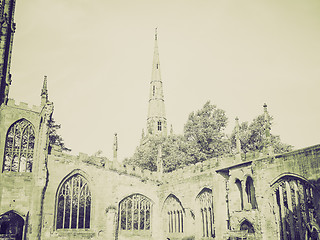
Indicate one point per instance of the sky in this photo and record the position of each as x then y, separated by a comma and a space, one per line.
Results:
98, 54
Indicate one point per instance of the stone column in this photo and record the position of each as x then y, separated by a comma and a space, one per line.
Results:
111, 223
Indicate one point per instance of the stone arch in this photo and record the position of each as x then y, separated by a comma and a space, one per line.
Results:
135, 213
246, 225
173, 215
73, 202
296, 207
291, 176
238, 183
12, 225
250, 192
205, 219
19, 147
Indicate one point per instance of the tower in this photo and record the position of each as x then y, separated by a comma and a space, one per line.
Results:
156, 121
7, 29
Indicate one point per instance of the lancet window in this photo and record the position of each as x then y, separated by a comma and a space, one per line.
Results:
19, 147
159, 126
135, 213
74, 204
295, 208
250, 191
205, 202
239, 186
175, 215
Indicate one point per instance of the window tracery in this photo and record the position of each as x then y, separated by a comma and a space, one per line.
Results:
175, 215
19, 147
295, 208
205, 202
135, 213
74, 204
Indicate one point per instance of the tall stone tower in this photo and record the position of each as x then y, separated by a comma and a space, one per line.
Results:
7, 29
156, 121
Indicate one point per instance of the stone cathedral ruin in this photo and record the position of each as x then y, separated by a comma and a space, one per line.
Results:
48, 194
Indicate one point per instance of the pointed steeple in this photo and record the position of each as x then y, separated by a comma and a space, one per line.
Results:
44, 91
156, 121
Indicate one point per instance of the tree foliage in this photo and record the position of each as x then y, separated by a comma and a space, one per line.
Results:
204, 133
173, 152
204, 138
54, 137
253, 138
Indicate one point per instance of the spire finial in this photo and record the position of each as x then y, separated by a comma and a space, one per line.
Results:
115, 148
44, 91
267, 126
156, 34
238, 143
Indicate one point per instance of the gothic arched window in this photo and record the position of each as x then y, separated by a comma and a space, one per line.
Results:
205, 202
295, 201
11, 226
19, 147
251, 193
175, 215
238, 184
74, 204
135, 213
159, 126
246, 226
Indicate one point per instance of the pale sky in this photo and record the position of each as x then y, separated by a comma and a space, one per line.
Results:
98, 54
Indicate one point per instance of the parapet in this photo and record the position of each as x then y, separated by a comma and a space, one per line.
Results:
104, 163
22, 105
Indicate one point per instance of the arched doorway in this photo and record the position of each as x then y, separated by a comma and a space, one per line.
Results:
11, 226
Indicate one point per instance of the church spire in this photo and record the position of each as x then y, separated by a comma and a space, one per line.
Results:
156, 121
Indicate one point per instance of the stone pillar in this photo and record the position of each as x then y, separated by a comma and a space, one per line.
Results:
188, 222
111, 223
157, 223
284, 230
40, 171
291, 221
220, 205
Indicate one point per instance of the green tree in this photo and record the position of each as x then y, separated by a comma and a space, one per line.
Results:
173, 153
204, 133
54, 137
253, 138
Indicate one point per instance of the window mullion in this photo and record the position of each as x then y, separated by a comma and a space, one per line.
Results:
71, 207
